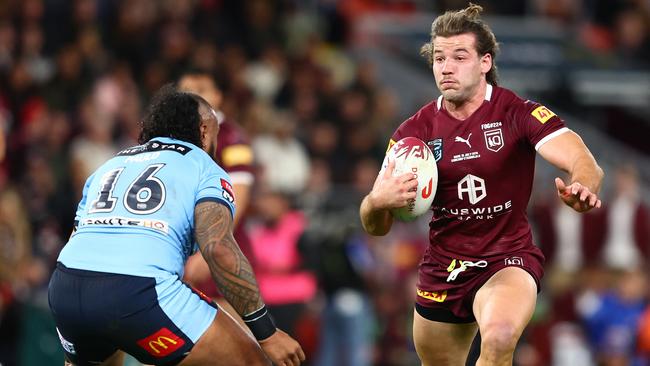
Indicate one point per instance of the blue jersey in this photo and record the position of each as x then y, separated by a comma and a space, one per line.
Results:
136, 216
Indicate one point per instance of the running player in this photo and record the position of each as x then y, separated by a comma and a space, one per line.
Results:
117, 285
481, 269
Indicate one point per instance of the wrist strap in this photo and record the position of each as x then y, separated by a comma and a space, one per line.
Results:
260, 323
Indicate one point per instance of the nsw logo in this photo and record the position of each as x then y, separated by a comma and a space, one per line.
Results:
436, 148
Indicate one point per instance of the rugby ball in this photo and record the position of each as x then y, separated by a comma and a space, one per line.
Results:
413, 155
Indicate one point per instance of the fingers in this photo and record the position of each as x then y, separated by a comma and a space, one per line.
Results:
389, 169
559, 184
577, 196
301, 354
295, 360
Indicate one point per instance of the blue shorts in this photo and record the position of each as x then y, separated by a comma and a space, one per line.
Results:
156, 320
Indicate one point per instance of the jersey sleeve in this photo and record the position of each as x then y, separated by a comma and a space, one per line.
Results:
81, 207
235, 155
538, 124
215, 185
414, 126
237, 160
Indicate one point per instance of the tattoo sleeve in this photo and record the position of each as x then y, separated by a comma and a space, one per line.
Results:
229, 267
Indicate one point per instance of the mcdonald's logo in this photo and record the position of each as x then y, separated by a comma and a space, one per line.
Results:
161, 343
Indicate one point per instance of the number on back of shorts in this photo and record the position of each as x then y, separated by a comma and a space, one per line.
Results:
145, 195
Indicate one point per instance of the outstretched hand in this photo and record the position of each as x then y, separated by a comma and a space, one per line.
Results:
282, 349
393, 191
577, 196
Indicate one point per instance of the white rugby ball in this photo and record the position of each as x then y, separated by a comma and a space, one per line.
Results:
412, 155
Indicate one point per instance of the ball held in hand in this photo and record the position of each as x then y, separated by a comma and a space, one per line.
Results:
412, 155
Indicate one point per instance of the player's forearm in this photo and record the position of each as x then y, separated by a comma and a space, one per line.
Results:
586, 171
228, 266
374, 221
234, 276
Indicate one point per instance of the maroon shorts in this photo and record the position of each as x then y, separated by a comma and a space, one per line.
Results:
451, 301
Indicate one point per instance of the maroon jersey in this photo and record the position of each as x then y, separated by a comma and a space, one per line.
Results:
485, 172
235, 155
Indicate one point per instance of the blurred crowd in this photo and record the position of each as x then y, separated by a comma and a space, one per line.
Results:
75, 76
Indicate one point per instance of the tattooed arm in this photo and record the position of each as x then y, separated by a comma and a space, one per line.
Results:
229, 267
233, 274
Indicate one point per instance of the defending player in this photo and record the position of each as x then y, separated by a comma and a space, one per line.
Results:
117, 285
235, 155
481, 267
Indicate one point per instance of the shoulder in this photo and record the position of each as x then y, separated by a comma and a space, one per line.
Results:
513, 104
419, 122
426, 112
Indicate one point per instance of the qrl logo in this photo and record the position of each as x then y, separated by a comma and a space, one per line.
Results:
473, 186
494, 140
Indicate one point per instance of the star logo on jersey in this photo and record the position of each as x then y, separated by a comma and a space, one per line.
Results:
436, 148
493, 139
466, 141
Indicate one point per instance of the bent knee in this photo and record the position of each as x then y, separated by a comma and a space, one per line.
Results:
499, 338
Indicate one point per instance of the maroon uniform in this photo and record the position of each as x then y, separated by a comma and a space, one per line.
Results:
235, 155
485, 174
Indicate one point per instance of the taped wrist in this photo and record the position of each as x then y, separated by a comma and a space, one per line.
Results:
260, 323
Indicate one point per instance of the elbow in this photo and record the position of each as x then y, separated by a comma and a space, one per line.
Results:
600, 174
376, 230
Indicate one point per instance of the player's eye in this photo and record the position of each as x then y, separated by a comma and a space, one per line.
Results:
439, 59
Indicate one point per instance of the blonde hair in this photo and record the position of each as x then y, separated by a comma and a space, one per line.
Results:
468, 20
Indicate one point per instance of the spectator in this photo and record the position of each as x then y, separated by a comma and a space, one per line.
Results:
284, 284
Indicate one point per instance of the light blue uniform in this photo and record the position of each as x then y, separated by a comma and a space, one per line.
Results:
136, 217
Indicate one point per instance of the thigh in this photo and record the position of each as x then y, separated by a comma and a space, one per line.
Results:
440, 343
116, 359
224, 305
507, 299
225, 343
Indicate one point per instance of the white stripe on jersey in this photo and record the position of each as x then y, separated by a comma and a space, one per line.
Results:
551, 136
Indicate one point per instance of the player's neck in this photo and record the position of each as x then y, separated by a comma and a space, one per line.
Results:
464, 109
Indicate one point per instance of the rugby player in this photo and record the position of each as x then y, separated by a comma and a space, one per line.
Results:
117, 284
481, 269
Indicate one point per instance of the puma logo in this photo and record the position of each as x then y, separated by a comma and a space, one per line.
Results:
460, 139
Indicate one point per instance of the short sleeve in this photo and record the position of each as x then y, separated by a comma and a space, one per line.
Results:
538, 123
415, 126
215, 185
81, 207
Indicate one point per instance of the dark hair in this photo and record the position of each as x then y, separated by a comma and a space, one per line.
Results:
453, 23
173, 114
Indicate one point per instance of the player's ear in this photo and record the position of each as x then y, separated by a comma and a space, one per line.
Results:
486, 63
203, 128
